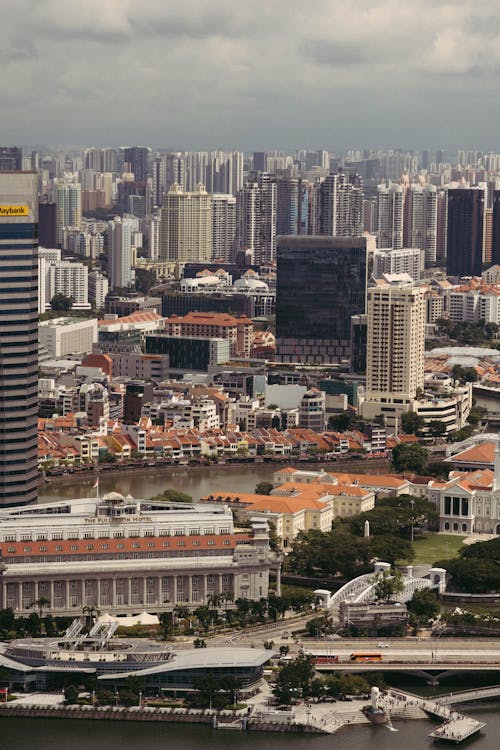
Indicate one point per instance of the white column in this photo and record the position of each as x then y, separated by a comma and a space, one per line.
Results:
67, 595
190, 589
144, 590
36, 591
113, 592
220, 584
20, 595
174, 579
129, 591
51, 594
158, 590
98, 587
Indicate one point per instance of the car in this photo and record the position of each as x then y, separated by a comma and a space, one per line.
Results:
382, 645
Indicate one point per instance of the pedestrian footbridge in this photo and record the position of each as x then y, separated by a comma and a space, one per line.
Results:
362, 589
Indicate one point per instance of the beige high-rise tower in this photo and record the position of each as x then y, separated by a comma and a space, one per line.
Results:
395, 346
186, 226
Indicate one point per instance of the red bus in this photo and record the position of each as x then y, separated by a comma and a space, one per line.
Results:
325, 660
366, 657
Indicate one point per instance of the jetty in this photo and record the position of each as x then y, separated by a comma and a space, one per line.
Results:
456, 727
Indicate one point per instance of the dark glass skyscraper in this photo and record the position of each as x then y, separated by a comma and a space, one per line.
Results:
465, 232
18, 337
321, 282
11, 158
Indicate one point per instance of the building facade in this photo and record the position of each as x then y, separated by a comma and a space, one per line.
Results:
18, 337
321, 283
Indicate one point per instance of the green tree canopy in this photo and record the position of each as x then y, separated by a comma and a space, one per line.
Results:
264, 488
170, 495
61, 303
424, 605
411, 423
409, 457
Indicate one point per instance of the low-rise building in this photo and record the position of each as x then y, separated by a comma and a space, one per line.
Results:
63, 336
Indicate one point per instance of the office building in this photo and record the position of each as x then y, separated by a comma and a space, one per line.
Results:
495, 233
465, 231
47, 224
18, 338
321, 283
63, 336
11, 159
186, 225
238, 331
390, 216
188, 354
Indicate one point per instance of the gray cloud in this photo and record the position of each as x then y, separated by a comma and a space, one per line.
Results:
261, 73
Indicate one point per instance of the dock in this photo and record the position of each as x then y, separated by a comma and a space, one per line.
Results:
456, 727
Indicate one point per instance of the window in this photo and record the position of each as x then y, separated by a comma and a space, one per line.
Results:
211, 542
166, 544
73, 547
58, 547
151, 544
90, 546
104, 546
149, 532
136, 545
196, 542
120, 546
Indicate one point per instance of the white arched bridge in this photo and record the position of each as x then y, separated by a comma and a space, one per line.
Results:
362, 589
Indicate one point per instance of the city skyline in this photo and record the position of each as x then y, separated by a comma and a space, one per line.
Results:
257, 75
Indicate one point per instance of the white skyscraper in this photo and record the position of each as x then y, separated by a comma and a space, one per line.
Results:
120, 252
256, 217
422, 220
407, 260
390, 216
98, 289
68, 199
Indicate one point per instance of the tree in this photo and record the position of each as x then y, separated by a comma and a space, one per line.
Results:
170, 495
411, 423
71, 694
294, 680
144, 280
166, 624
41, 603
61, 303
424, 605
264, 488
387, 585
33, 624
409, 457
340, 422
438, 469
437, 428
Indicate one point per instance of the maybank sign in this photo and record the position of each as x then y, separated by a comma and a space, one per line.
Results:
14, 211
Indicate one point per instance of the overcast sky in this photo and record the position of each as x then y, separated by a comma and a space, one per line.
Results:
251, 74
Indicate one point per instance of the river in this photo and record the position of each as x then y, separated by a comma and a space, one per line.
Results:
196, 481
47, 734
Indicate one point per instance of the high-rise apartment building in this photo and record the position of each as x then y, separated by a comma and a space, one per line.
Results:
256, 217
120, 252
339, 205
321, 283
98, 289
465, 235
396, 314
18, 338
421, 217
293, 199
390, 216
223, 226
186, 225
68, 199
407, 260
139, 160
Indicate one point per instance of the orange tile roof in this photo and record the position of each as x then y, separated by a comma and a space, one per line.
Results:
483, 453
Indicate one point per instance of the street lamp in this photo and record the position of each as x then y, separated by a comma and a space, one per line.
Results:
116, 697
140, 698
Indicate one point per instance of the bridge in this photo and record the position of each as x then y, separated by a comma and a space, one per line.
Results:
362, 588
465, 696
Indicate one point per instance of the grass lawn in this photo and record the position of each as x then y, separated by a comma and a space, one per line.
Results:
432, 547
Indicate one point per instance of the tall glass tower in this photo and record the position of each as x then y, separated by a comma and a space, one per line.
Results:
18, 337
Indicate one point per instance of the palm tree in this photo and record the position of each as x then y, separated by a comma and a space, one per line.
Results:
42, 603
214, 600
181, 612
89, 610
